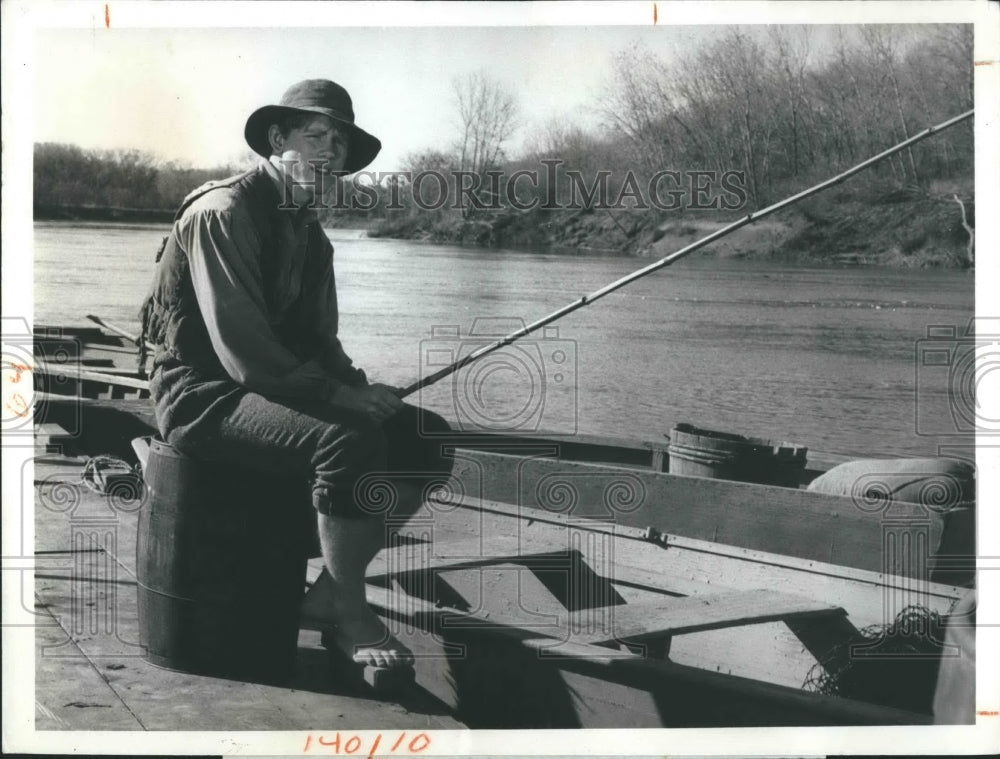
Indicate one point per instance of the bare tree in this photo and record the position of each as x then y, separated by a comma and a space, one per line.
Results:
637, 103
487, 111
791, 48
883, 45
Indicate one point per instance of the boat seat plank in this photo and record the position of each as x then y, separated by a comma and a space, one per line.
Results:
91, 376
51, 430
591, 670
698, 613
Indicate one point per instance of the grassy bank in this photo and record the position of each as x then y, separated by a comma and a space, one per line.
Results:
853, 225
849, 226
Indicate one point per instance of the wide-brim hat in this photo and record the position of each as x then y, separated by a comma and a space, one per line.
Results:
315, 96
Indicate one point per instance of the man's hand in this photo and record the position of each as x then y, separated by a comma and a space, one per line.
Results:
378, 401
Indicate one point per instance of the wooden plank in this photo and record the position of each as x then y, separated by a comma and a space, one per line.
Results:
90, 376
71, 691
471, 535
130, 411
52, 438
680, 695
665, 543
50, 430
799, 523
512, 593
97, 427
696, 567
690, 561
785, 662
163, 699
450, 552
92, 595
779, 668
697, 613
618, 450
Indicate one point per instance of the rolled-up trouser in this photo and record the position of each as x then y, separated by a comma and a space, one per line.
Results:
352, 461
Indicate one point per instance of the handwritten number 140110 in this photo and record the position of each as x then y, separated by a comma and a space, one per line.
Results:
350, 743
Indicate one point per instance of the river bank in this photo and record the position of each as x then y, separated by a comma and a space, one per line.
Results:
900, 228
102, 213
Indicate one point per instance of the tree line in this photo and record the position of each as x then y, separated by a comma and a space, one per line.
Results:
67, 175
764, 103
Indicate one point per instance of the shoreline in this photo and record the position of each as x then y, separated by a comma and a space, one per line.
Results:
896, 230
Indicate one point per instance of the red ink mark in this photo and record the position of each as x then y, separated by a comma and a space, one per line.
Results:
107, 17
419, 743
18, 369
334, 742
988, 713
21, 405
427, 742
654, 13
982, 63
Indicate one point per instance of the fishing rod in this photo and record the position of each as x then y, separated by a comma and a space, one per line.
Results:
586, 300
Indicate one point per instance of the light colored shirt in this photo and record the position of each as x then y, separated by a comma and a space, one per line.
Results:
228, 266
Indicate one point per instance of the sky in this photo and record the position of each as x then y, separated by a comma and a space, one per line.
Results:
180, 86
184, 94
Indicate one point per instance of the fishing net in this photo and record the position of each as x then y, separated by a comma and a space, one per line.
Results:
893, 664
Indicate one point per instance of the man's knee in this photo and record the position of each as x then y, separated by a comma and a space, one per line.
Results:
360, 447
419, 443
345, 454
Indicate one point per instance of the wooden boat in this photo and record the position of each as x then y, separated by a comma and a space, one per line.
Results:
558, 582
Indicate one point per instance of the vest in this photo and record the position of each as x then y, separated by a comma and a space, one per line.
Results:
170, 316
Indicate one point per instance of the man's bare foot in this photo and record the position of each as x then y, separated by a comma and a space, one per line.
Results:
351, 626
363, 637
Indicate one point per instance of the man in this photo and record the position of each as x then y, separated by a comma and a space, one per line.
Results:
250, 369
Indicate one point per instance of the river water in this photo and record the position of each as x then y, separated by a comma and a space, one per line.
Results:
825, 357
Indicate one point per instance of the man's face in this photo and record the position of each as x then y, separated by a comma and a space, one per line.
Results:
318, 145
319, 140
